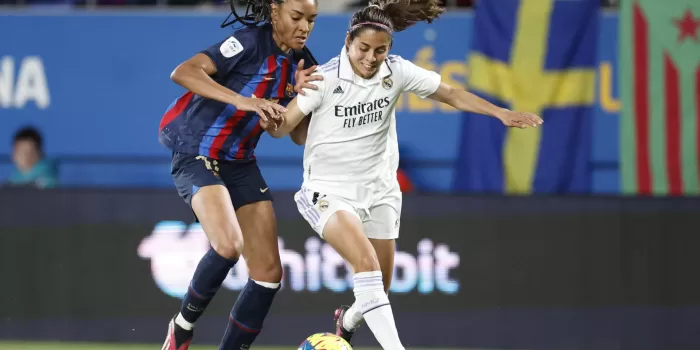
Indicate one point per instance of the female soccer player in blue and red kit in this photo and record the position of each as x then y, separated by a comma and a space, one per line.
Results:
212, 131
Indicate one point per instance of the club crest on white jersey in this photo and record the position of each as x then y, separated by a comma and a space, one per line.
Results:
352, 134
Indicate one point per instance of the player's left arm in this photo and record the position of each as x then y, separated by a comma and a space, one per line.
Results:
469, 102
428, 84
303, 76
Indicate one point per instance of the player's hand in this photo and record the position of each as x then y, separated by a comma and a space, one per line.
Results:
519, 119
303, 77
265, 109
271, 124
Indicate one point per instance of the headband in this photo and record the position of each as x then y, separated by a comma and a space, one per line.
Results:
383, 26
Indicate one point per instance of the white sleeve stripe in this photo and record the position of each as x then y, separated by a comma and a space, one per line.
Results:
328, 68
330, 64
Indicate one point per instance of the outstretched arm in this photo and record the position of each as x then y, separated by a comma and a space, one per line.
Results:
469, 102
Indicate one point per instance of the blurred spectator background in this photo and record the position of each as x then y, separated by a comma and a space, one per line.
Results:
32, 168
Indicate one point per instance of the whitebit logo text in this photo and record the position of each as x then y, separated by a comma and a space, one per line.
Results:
175, 250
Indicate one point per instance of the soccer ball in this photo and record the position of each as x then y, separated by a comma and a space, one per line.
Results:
324, 341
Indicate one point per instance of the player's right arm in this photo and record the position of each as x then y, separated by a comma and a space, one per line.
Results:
196, 74
304, 79
298, 134
289, 120
300, 106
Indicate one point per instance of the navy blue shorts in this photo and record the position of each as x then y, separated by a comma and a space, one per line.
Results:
242, 178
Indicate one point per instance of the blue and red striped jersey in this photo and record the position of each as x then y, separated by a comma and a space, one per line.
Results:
249, 63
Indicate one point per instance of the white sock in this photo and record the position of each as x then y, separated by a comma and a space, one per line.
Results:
352, 318
376, 310
180, 321
271, 285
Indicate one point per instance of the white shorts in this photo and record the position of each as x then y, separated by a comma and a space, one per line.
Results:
381, 221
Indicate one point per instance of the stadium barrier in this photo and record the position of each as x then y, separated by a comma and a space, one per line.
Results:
530, 272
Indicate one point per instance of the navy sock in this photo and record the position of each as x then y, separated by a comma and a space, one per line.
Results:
247, 316
210, 274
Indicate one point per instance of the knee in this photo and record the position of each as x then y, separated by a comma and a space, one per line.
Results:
367, 263
229, 250
228, 244
266, 270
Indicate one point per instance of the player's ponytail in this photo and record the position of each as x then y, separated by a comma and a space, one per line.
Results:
394, 15
405, 13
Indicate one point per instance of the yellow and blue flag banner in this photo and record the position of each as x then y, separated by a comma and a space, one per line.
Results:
534, 56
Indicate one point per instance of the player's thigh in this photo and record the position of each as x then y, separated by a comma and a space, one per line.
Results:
214, 210
252, 201
385, 248
338, 223
199, 184
261, 250
344, 232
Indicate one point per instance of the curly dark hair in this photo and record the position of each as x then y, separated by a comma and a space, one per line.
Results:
262, 9
257, 11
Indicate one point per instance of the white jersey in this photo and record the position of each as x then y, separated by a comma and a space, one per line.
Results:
352, 148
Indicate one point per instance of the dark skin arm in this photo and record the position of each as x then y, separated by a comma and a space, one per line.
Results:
303, 77
195, 75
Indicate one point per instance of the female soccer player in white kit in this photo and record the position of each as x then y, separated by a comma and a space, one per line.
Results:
350, 195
